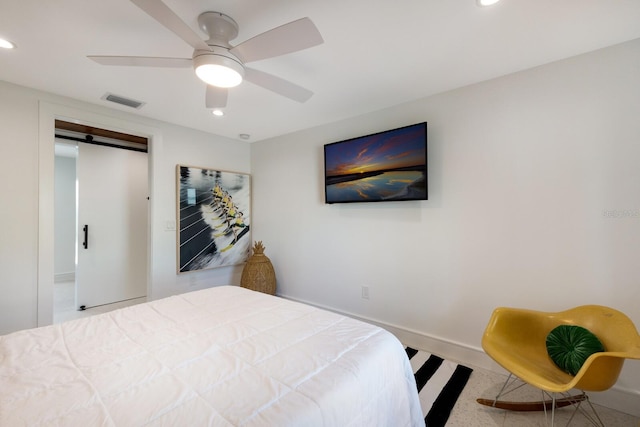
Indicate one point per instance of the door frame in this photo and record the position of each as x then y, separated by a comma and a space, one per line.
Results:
48, 113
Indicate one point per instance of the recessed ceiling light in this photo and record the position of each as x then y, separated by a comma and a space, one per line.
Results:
218, 113
244, 136
487, 2
6, 44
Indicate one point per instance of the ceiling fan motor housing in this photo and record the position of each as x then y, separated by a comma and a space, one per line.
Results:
227, 68
219, 27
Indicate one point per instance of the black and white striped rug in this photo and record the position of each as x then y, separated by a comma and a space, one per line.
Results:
439, 382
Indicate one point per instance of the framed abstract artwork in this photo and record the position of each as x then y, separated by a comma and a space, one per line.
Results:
214, 218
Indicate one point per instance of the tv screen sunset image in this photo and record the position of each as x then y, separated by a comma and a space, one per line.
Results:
389, 165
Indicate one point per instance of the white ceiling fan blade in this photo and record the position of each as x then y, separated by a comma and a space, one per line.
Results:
287, 38
216, 97
161, 13
142, 61
277, 85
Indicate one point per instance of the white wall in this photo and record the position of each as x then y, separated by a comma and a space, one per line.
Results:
19, 213
65, 217
193, 148
533, 202
26, 165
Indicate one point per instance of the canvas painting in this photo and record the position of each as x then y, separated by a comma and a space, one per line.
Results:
214, 218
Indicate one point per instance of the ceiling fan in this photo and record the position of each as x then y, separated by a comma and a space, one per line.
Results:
218, 63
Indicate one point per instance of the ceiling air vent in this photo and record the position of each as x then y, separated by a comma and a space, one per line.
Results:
123, 101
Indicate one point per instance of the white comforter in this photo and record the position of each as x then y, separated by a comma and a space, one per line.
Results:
222, 356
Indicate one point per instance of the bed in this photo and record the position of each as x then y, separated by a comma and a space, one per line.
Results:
224, 356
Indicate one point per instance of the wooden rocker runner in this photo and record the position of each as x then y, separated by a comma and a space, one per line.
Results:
541, 405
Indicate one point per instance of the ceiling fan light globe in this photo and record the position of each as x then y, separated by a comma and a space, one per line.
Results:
218, 70
218, 75
6, 44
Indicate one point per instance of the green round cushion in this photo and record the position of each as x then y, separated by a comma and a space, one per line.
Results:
569, 346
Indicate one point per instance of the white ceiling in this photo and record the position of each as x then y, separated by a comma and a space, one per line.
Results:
376, 53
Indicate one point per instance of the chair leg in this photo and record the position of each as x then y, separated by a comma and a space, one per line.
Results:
589, 413
591, 416
511, 384
553, 407
502, 390
548, 403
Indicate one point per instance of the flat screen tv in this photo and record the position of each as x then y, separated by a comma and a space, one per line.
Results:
385, 166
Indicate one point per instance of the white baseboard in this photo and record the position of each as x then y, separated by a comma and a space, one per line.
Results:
65, 277
620, 399
617, 398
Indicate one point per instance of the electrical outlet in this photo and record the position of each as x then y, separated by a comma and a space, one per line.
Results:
365, 292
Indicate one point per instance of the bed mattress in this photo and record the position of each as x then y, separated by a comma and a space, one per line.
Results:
224, 356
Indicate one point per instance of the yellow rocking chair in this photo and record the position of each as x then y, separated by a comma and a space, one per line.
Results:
516, 340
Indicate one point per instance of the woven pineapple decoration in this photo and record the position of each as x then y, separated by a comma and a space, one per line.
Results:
258, 273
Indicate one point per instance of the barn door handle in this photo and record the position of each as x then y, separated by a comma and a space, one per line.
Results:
86, 236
